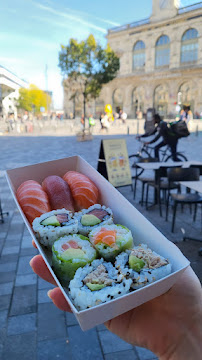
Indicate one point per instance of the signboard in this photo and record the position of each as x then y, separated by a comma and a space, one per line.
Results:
113, 162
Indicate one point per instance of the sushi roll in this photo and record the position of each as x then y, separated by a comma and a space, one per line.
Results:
32, 199
96, 284
70, 253
142, 265
110, 240
54, 224
85, 193
89, 219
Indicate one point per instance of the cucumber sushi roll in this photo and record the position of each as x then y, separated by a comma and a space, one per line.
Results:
97, 283
142, 265
110, 240
69, 253
89, 219
54, 224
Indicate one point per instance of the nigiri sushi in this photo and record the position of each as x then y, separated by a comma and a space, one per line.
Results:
85, 193
32, 199
58, 192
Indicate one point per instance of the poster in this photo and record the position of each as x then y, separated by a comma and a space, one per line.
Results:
117, 163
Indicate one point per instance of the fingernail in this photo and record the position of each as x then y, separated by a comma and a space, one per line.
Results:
49, 294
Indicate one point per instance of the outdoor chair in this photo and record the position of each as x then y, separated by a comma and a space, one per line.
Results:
161, 184
182, 174
142, 179
2, 213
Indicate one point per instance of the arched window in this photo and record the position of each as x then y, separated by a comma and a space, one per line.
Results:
162, 55
139, 55
189, 46
161, 99
117, 100
138, 97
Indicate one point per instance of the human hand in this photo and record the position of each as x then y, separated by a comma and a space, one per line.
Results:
168, 325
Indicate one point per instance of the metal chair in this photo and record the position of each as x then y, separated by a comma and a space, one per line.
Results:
161, 185
2, 213
182, 174
143, 180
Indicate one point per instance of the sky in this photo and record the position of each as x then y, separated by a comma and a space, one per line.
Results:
32, 31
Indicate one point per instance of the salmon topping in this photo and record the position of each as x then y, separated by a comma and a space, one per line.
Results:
105, 236
70, 244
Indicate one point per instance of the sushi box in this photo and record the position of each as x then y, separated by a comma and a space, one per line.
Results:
124, 213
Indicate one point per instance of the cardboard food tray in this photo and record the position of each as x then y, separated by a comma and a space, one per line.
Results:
124, 213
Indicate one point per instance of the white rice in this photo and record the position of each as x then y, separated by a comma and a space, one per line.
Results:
84, 298
48, 234
107, 220
146, 275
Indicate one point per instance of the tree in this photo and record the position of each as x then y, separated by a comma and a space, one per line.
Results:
88, 65
32, 99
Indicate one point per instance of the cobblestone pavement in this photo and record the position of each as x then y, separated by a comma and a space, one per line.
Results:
31, 327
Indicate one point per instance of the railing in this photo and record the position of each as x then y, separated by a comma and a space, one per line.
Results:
192, 7
129, 26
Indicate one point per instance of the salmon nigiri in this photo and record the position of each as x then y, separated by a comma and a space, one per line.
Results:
32, 199
58, 192
85, 193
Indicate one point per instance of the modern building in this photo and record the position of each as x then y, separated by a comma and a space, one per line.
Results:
9, 86
160, 63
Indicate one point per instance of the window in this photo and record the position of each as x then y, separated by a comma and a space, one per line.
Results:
162, 57
189, 46
139, 55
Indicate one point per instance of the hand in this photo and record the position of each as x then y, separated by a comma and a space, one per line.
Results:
168, 325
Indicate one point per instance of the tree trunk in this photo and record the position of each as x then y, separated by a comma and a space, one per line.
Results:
84, 109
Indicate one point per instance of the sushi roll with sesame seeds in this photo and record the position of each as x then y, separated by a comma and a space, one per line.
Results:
95, 215
54, 224
69, 253
142, 265
97, 283
110, 240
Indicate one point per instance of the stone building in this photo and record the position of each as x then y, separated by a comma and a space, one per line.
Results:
160, 63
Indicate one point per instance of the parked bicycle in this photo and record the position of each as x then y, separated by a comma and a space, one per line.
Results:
146, 151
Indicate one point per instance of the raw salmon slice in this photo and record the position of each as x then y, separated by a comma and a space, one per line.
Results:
70, 244
105, 236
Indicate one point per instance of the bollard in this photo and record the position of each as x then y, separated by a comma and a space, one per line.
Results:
196, 133
128, 130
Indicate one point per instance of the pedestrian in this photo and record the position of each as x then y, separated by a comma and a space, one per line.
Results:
123, 117
82, 121
105, 123
100, 118
91, 121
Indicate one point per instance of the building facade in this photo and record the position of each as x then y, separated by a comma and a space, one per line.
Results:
160, 63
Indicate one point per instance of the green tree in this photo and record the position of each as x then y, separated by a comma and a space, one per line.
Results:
87, 65
32, 99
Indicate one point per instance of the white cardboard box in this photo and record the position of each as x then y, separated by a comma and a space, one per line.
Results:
125, 214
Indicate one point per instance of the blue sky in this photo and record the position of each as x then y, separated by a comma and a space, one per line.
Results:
33, 30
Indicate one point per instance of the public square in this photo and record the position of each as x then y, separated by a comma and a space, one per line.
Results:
31, 327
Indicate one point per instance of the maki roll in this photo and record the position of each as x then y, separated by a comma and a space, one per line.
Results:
69, 253
110, 240
97, 283
54, 224
89, 219
142, 265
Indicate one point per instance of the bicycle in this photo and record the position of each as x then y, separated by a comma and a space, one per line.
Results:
146, 151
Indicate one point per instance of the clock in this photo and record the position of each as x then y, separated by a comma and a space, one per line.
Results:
163, 4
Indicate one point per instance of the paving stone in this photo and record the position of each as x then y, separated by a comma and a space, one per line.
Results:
21, 324
10, 266
54, 349
70, 319
24, 266
6, 288
29, 279
42, 284
28, 251
11, 242
122, 355
112, 343
51, 322
43, 297
9, 258
5, 302
145, 354
7, 276
3, 318
26, 243
24, 300
11, 250
20, 347
2, 235
101, 327
88, 344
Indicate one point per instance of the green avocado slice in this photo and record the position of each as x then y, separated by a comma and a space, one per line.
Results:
71, 253
136, 263
94, 287
90, 220
52, 220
